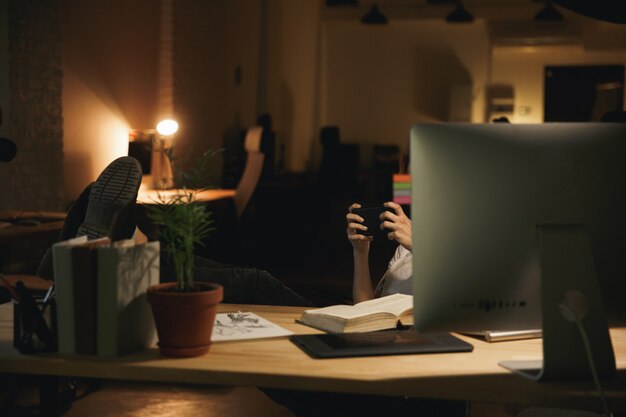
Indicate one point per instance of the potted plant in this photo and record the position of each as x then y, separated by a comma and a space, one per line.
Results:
184, 311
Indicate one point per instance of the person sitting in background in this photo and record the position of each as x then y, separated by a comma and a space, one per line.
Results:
398, 278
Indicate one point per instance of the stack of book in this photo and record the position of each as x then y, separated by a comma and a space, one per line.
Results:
101, 295
402, 189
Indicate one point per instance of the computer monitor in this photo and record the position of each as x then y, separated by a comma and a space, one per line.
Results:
511, 222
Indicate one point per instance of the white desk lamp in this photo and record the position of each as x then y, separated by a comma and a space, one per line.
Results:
162, 176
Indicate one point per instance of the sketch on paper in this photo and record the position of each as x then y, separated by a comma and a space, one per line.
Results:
238, 325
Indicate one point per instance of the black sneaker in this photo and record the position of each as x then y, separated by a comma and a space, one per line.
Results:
112, 201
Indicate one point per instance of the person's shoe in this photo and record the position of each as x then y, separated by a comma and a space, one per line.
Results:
73, 220
112, 201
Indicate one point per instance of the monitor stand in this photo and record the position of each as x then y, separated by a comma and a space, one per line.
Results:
568, 278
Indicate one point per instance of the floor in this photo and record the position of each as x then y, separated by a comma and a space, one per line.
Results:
135, 399
146, 400
141, 399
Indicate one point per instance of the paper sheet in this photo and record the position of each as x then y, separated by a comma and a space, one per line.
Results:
241, 325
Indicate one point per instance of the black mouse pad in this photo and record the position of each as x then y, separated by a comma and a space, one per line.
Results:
384, 342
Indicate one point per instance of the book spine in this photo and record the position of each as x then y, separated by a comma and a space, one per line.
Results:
84, 264
106, 312
62, 267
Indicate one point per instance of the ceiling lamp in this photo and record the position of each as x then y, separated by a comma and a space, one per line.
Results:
459, 15
548, 13
374, 17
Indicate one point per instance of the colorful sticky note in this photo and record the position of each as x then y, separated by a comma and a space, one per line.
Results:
402, 189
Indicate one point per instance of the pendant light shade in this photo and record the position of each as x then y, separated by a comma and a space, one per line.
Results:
548, 14
459, 15
374, 17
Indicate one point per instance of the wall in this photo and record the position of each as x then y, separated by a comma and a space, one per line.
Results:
199, 74
112, 81
134, 75
304, 68
523, 68
241, 76
34, 179
216, 70
379, 80
268, 63
4, 70
110, 59
292, 77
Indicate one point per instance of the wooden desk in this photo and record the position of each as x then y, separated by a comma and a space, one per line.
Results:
152, 196
22, 244
278, 363
48, 222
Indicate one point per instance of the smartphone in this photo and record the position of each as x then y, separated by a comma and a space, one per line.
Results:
371, 217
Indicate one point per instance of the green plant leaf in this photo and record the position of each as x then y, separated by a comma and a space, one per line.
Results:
184, 222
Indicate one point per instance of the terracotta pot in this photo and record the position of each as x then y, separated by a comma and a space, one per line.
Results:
184, 321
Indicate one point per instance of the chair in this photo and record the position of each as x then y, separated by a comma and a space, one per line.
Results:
252, 170
268, 143
226, 243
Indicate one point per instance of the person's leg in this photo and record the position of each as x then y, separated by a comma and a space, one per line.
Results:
104, 208
74, 218
242, 285
112, 201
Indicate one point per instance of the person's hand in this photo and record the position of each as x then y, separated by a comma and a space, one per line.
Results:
398, 225
360, 243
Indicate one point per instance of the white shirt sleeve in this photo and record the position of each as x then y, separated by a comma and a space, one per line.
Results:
399, 275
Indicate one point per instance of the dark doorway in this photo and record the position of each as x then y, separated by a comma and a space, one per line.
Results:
582, 93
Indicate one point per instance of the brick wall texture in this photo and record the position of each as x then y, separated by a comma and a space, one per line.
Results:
34, 179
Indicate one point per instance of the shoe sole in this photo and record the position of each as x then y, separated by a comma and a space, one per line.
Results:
115, 189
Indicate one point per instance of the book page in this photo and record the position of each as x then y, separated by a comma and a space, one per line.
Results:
124, 318
395, 304
241, 325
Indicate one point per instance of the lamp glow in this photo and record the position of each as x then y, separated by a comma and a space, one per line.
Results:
167, 127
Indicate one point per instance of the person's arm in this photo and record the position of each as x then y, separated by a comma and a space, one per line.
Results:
362, 289
362, 283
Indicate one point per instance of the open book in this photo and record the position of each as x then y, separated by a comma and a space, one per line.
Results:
377, 314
